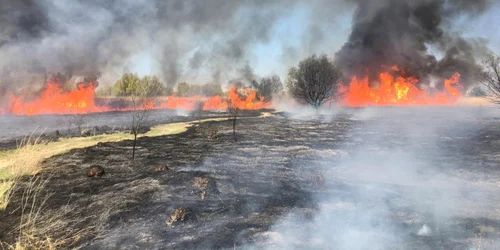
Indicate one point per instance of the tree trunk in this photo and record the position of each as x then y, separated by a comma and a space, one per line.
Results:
234, 128
133, 147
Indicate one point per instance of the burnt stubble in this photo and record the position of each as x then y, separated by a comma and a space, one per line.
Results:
391, 178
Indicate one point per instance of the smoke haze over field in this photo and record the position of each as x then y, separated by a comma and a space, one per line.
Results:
211, 40
401, 187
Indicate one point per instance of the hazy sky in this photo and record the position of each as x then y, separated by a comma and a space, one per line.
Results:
290, 33
211, 40
269, 57
486, 26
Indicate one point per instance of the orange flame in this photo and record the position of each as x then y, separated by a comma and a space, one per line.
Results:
53, 100
398, 91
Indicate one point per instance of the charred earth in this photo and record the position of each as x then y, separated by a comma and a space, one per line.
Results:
391, 178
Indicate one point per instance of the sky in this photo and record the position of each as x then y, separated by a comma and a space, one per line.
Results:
486, 26
272, 58
269, 58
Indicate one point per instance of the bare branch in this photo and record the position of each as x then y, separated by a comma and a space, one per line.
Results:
143, 101
233, 111
490, 77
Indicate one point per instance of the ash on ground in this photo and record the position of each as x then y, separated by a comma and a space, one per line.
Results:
390, 179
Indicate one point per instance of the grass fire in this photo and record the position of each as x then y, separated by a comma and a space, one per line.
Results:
54, 100
331, 124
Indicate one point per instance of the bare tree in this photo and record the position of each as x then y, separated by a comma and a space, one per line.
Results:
143, 100
197, 113
198, 110
477, 91
315, 81
78, 120
490, 77
66, 121
233, 111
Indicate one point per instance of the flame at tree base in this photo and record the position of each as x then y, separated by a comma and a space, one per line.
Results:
398, 91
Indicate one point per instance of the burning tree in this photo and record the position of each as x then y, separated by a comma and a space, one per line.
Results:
315, 81
143, 100
490, 77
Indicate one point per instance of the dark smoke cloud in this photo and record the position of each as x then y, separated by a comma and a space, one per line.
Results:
97, 38
25, 18
400, 32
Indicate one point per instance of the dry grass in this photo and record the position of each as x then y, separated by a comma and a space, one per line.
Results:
41, 228
16, 163
6, 191
26, 158
475, 101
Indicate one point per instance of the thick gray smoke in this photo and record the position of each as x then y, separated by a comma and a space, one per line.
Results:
98, 38
214, 38
404, 32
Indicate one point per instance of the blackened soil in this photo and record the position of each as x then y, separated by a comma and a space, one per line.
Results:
384, 180
15, 129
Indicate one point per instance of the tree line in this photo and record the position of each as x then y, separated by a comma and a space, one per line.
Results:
130, 83
315, 81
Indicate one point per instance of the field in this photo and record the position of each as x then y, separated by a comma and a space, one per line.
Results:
371, 178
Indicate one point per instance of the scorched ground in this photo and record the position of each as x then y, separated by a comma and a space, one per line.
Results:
386, 178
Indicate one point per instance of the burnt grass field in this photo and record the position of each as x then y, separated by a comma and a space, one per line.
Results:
391, 178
